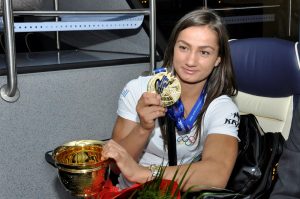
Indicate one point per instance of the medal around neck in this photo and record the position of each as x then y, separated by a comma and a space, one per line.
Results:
166, 85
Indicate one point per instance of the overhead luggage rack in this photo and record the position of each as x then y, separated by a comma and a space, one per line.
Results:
68, 21
82, 22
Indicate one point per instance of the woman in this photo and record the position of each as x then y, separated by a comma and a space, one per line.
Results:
198, 54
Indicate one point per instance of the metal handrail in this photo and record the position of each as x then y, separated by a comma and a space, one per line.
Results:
10, 92
152, 22
57, 32
290, 18
78, 12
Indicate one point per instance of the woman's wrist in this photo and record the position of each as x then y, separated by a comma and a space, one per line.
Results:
148, 173
143, 175
155, 170
144, 131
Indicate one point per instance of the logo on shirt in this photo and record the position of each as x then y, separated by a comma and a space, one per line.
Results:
235, 120
186, 139
125, 92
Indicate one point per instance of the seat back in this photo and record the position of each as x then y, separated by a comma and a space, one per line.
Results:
268, 76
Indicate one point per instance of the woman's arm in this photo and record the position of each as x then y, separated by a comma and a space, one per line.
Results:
214, 170
218, 159
133, 136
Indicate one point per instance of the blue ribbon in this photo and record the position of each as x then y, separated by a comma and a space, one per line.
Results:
159, 70
176, 113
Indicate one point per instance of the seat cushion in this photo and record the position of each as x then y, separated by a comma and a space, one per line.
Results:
273, 114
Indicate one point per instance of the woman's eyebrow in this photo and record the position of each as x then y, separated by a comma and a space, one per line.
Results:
201, 47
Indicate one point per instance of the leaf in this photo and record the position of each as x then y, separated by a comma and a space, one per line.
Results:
181, 181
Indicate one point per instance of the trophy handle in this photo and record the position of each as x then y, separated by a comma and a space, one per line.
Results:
49, 159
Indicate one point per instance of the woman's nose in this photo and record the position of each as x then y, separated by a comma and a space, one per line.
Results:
192, 59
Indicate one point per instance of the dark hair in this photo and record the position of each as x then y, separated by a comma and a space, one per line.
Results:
221, 81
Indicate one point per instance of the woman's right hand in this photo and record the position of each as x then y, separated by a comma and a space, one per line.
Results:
131, 170
149, 108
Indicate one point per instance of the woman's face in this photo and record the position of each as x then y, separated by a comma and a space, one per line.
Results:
196, 54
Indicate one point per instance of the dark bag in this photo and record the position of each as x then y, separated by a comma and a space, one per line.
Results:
255, 170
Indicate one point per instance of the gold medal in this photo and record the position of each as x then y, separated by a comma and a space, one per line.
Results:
167, 86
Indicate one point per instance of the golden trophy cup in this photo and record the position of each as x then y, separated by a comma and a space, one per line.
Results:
80, 168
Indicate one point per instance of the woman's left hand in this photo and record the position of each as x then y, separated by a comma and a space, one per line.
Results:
131, 170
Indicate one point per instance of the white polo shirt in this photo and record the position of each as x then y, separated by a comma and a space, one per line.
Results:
221, 117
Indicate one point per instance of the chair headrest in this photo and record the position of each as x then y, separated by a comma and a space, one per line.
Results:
266, 66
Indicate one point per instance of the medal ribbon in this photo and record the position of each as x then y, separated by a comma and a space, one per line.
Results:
176, 113
159, 70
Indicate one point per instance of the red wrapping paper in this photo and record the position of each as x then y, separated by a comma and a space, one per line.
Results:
111, 192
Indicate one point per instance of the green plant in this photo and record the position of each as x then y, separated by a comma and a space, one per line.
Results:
154, 189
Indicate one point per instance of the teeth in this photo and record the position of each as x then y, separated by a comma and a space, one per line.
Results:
169, 92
